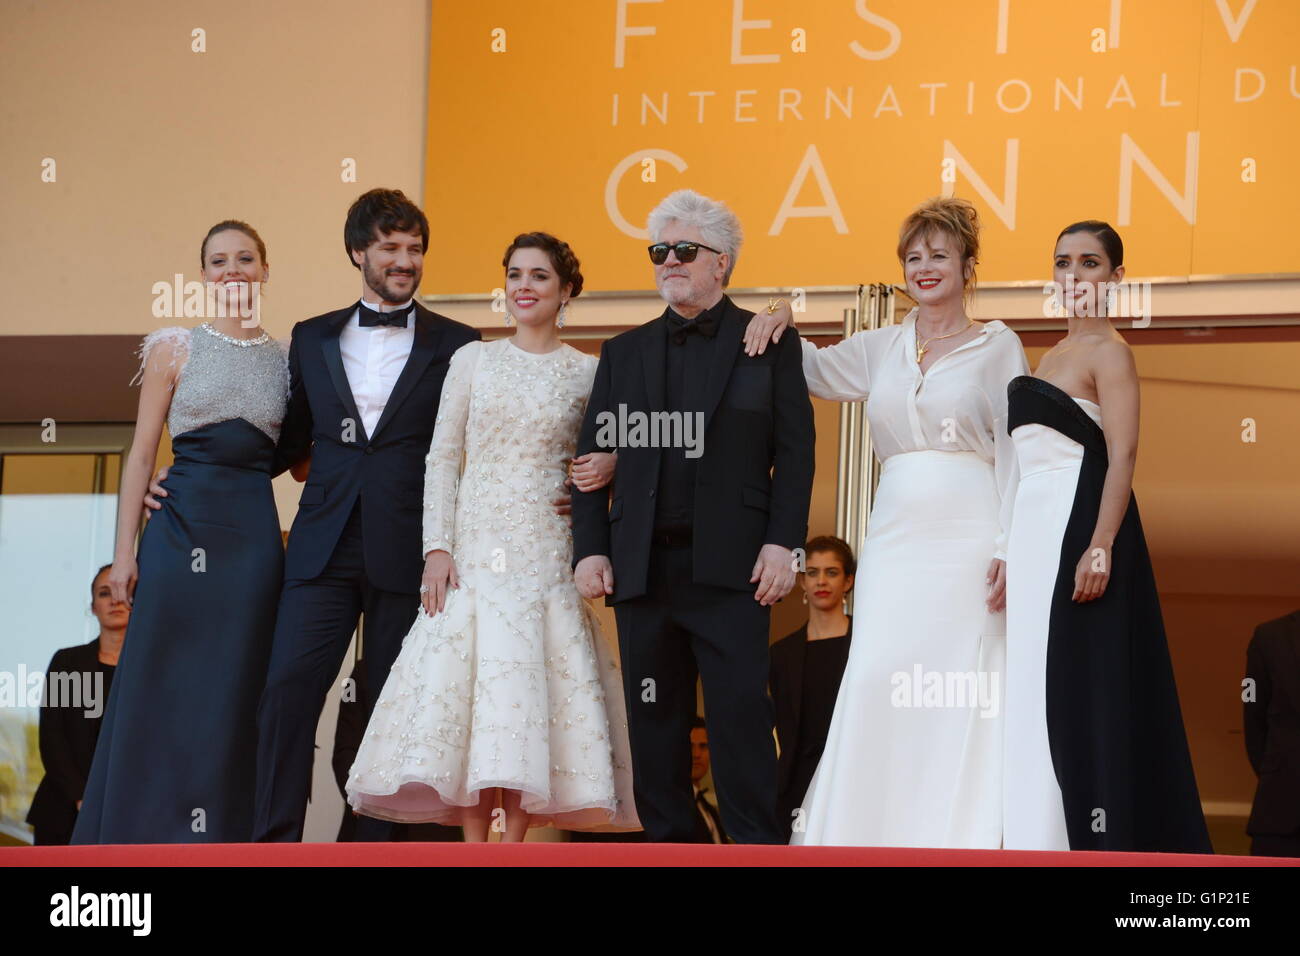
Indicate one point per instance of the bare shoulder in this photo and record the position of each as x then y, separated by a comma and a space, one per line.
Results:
1111, 354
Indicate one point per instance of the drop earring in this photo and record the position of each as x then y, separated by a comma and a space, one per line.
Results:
562, 315
510, 319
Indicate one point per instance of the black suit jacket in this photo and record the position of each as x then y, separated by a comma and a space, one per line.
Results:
386, 469
786, 685
67, 742
703, 806
1272, 725
753, 481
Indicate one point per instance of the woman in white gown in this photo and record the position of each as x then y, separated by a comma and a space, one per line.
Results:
504, 690
913, 757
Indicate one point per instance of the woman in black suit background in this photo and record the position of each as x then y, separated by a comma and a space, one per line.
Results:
806, 669
70, 722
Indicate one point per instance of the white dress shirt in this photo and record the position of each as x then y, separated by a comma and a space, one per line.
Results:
373, 357
959, 404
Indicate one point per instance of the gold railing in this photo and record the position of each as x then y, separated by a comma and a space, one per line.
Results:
879, 305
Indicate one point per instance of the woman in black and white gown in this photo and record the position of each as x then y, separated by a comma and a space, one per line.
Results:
1096, 755
913, 756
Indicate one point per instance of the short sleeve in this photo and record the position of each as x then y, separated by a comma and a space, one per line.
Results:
170, 346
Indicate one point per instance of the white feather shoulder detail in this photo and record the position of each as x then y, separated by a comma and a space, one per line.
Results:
177, 341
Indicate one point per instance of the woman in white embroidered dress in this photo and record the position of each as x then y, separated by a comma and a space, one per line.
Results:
913, 757
505, 692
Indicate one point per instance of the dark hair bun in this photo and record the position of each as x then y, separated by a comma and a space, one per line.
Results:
563, 260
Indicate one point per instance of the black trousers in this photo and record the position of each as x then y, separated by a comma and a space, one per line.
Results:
315, 623
676, 631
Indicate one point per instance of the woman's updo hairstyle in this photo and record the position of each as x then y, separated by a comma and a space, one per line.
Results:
958, 218
836, 546
563, 261
1110, 241
237, 225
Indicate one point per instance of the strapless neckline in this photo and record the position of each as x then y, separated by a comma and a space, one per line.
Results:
1058, 388
1090, 409
1060, 391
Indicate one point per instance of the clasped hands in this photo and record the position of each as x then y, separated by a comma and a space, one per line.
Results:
773, 573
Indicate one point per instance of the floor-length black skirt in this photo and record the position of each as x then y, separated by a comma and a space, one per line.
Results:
176, 757
1114, 725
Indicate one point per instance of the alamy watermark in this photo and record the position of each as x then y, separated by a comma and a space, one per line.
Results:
624, 429
80, 690
947, 689
1123, 300
206, 300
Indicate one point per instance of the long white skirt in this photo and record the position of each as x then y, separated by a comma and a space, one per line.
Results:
914, 752
1033, 814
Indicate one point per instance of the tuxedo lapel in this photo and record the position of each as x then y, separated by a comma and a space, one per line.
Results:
654, 362
427, 335
334, 364
725, 350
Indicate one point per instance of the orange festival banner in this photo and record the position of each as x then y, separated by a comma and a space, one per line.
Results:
823, 123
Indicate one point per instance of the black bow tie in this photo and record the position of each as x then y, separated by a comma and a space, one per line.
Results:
369, 317
706, 324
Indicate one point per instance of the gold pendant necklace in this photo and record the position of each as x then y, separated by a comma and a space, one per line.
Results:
923, 347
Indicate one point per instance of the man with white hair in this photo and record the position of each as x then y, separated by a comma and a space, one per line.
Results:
692, 541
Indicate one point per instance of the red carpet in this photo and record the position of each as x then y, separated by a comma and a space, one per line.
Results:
575, 854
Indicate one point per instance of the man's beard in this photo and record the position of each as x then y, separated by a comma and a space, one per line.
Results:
377, 280
682, 293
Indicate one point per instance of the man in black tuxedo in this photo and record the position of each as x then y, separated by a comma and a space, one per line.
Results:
1272, 724
364, 388
708, 821
692, 542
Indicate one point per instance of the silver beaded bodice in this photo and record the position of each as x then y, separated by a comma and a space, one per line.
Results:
221, 379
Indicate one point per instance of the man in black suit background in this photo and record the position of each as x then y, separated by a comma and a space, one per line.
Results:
1272, 724
365, 382
708, 821
692, 542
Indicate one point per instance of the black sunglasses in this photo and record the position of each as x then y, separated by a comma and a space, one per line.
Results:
685, 251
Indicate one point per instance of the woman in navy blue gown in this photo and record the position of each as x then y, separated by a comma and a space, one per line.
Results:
176, 755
